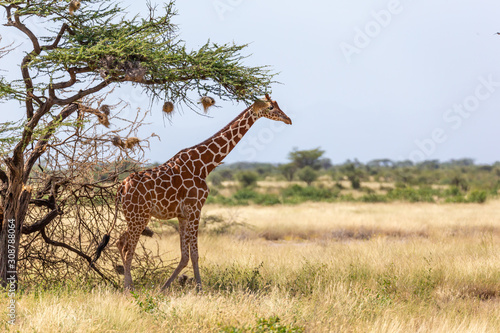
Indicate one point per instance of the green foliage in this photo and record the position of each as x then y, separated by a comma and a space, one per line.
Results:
353, 173
102, 42
271, 324
247, 178
307, 174
449, 182
267, 199
297, 194
372, 197
288, 171
477, 196
245, 194
355, 182
425, 194
303, 158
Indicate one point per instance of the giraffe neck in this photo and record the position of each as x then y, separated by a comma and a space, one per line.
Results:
213, 150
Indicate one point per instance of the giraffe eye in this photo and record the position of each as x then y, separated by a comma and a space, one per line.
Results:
270, 108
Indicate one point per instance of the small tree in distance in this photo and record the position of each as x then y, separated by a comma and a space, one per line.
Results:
308, 175
303, 158
247, 178
288, 171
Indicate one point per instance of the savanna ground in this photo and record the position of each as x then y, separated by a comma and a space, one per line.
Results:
313, 267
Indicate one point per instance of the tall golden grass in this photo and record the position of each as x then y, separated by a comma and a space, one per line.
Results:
343, 267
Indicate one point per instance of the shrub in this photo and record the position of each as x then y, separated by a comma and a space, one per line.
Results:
288, 171
308, 175
297, 194
267, 199
411, 194
372, 197
477, 196
245, 194
247, 178
355, 182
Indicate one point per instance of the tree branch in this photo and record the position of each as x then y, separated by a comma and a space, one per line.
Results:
80, 253
43, 141
55, 44
40, 224
72, 73
80, 94
18, 24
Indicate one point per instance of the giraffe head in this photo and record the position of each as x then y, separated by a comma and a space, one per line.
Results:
270, 109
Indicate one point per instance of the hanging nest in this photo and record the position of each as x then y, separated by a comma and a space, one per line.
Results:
74, 5
127, 144
131, 142
123, 69
102, 116
168, 107
103, 119
207, 102
105, 109
117, 142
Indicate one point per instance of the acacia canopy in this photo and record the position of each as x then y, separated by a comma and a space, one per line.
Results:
100, 44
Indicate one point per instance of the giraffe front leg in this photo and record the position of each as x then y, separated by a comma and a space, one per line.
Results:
184, 256
122, 245
128, 254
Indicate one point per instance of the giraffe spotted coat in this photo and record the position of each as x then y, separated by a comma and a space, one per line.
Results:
178, 189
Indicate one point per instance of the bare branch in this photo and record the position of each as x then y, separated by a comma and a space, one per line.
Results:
41, 145
80, 94
39, 225
80, 253
72, 73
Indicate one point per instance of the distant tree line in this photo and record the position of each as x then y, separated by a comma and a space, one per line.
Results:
314, 177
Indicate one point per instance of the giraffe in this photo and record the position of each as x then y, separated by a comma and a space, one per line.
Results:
178, 188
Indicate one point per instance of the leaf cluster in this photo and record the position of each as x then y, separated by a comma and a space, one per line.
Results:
102, 43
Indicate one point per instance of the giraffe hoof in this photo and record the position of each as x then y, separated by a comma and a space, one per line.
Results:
182, 280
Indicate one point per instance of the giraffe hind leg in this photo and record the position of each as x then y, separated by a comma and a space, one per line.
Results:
194, 260
184, 255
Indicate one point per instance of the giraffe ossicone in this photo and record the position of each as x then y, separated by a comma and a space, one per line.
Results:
178, 189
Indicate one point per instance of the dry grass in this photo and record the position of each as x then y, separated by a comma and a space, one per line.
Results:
321, 267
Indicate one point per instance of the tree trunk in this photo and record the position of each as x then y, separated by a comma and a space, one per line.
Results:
15, 208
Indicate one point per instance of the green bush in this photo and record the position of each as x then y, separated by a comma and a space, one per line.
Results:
372, 197
267, 199
355, 182
265, 325
297, 194
425, 194
245, 194
477, 196
308, 175
247, 178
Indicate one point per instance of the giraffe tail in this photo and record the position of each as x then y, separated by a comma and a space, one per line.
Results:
105, 240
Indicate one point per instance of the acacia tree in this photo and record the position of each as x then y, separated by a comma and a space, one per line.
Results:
85, 53
303, 158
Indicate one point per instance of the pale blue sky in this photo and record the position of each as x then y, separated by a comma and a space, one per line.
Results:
361, 79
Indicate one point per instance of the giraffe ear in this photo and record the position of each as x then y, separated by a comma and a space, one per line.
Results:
268, 98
